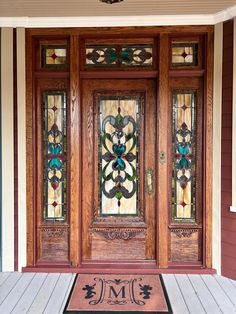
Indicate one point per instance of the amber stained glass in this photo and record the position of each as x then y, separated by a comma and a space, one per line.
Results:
119, 155
55, 168
184, 153
184, 54
54, 56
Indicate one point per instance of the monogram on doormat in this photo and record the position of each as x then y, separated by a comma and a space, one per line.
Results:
118, 293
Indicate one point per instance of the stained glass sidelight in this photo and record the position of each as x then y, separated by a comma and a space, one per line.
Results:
53, 56
54, 136
119, 120
184, 151
118, 56
184, 54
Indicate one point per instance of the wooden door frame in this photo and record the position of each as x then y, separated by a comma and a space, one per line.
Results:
161, 75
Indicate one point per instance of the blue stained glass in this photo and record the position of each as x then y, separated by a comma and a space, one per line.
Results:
183, 150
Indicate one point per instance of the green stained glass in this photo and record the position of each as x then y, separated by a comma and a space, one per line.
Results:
184, 153
118, 154
119, 56
55, 168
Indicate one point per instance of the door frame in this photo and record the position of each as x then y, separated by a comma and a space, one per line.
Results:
162, 76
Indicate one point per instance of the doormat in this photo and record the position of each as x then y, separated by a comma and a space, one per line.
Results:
96, 293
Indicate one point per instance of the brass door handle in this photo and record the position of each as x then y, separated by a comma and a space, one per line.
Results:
149, 181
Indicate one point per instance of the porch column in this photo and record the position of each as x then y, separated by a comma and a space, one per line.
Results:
7, 130
21, 128
217, 105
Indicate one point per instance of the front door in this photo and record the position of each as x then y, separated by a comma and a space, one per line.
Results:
119, 143
119, 148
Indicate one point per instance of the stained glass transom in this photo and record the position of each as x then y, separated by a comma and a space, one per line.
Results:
184, 54
54, 136
119, 56
119, 120
54, 56
184, 152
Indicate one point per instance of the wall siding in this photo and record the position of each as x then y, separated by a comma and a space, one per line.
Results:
228, 248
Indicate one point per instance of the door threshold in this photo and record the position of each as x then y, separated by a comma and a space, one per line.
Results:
98, 270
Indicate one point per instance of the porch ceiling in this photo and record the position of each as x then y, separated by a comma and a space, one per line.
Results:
62, 8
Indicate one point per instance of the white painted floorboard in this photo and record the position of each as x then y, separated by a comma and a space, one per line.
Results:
12, 298
193, 302
41, 293
30, 294
202, 292
3, 277
212, 297
222, 299
176, 298
59, 292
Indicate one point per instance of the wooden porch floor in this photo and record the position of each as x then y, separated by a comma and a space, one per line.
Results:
38, 293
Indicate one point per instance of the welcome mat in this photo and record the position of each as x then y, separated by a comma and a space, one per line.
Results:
96, 293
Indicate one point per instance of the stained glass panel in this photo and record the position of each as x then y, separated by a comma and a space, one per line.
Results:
118, 56
184, 151
136, 56
119, 155
54, 56
184, 54
54, 136
101, 56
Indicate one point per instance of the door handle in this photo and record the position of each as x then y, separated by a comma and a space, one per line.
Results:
149, 181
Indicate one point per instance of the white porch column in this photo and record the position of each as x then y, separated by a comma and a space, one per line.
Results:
21, 127
7, 149
217, 109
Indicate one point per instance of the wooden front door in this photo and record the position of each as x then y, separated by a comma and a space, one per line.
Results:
118, 170
119, 148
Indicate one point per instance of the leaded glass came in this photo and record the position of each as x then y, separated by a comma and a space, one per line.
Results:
119, 155
119, 56
184, 153
184, 54
55, 170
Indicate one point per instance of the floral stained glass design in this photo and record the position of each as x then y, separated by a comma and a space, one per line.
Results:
119, 56
54, 136
184, 54
119, 155
54, 56
184, 151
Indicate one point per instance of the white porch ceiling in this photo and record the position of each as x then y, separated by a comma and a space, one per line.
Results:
89, 8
